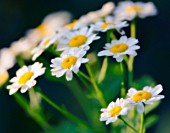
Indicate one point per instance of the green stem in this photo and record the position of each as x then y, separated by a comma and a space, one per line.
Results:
108, 39
39, 119
63, 111
99, 94
84, 75
131, 58
127, 124
103, 70
123, 87
141, 123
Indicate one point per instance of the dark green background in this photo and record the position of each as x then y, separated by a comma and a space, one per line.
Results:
17, 16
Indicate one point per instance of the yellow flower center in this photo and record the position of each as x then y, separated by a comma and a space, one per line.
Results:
3, 77
42, 29
71, 25
118, 48
77, 41
105, 25
115, 111
68, 62
46, 42
142, 95
25, 77
133, 9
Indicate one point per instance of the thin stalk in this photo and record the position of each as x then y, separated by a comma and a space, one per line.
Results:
84, 75
34, 101
99, 94
63, 111
39, 119
108, 39
123, 87
83, 81
141, 123
127, 124
131, 58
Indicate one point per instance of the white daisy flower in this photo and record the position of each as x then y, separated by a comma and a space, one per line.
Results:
49, 26
80, 38
121, 47
44, 44
147, 96
3, 76
128, 10
91, 17
7, 58
114, 110
23, 47
25, 78
68, 62
109, 23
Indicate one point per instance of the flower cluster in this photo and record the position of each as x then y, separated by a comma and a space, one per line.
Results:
70, 43
137, 98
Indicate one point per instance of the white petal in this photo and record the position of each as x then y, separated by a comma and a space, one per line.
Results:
140, 108
131, 92
69, 75
156, 90
120, 59
13, 90
59, 73
24, 89
105, 53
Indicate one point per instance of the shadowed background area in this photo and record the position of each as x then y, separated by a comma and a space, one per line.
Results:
17, 16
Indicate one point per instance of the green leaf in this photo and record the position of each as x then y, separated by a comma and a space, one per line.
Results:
151, 120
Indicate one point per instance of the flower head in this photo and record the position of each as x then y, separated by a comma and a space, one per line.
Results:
121, 47
44, 44
25, 78
68, 62
80, 38
147, 96
7, 58
109, 23
114, 109
128, 10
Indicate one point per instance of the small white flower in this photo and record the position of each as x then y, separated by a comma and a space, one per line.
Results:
147, 96
68, 62
92, 16
44, 44
121, 47
23, 47
114, 109
7, 58
108, 24
128, 10
25, 78
80, 38
3, 76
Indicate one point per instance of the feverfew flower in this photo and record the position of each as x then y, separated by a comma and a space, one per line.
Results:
109, 23
23, 47
7, 58
68, 62
115, 109
44, 44
121, 47
92, 16
128, 10
147, 96
25, 78
80, 38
